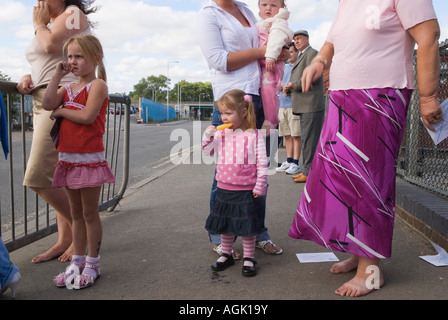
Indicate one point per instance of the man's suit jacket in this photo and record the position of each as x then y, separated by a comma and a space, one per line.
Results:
313, 100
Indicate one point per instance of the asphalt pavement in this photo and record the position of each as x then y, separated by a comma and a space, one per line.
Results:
155, 247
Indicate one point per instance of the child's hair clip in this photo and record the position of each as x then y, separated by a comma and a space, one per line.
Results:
247, 98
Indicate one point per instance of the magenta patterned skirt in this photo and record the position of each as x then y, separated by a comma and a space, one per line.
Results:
76, 171
348, 203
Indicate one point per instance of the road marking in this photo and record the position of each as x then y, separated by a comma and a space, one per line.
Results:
167, 160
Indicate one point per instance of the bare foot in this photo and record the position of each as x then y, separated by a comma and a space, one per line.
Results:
52, 253
368, 277
67, 255
345, 266
356, 287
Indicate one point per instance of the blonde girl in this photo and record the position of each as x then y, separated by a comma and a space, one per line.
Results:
241, 174
82, 168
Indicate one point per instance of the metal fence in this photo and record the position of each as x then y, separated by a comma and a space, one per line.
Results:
420, 160
24, 216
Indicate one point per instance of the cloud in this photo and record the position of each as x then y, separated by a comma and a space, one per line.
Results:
145, 38
140, 37
315, 16
12, 11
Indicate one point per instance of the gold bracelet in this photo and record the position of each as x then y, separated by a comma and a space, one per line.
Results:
38, 27
320, 59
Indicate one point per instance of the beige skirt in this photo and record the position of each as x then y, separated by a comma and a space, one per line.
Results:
43, 154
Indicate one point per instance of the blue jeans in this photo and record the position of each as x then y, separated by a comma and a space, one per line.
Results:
7, 268
216, 121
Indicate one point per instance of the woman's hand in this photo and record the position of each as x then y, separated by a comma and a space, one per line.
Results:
310, 75
284, 55
315, 69
430, 111
426, 35
25, 85
41, 14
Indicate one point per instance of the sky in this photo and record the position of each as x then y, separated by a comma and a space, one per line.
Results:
155, 37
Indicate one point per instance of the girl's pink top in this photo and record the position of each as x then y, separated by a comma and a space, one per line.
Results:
372, 47
242, 160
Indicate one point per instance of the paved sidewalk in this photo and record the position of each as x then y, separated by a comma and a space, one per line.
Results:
155, 247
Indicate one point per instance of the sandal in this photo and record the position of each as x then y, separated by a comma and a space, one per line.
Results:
269, 247
85, 280
66, 279
236, 255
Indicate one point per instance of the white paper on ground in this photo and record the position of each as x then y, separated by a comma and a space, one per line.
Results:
316, 257
440, 259
442, 127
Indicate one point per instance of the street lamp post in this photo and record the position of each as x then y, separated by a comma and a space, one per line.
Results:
168, 87
180, 98
199, 109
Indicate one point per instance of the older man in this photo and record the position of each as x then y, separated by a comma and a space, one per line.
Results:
310, 106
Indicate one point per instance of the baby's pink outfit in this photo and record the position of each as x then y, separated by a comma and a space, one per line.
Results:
275, 33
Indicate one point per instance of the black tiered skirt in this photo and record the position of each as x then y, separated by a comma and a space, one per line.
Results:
235, 212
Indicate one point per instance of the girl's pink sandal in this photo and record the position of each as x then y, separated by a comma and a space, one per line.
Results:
84, 280
67, 278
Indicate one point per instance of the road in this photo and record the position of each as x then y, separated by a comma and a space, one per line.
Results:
154, 147
151, 151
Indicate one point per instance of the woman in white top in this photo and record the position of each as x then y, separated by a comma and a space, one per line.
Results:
55, 21
229, 42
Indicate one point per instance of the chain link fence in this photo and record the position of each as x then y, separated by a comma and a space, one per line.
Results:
420, 161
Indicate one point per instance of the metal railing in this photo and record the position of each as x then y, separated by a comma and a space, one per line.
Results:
420, 161
24, 216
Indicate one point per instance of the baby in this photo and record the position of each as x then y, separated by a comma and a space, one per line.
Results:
273, 32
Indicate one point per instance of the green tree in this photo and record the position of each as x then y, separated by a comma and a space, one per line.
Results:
4, 77
190, 91
155, 88
151, 87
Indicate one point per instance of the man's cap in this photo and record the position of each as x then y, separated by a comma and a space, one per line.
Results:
301, 32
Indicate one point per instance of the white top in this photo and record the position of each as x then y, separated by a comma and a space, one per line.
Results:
220, 33
372, 48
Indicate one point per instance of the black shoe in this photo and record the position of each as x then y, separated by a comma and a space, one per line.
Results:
219, 266
249, 271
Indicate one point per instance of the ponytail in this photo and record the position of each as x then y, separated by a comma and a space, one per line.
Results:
101, 71
250, 117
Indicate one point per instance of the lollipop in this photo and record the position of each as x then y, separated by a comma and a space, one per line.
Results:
224, 126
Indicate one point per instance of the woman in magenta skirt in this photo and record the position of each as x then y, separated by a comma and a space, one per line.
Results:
348, 201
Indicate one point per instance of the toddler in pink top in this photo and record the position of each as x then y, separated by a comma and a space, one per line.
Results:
241, 176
